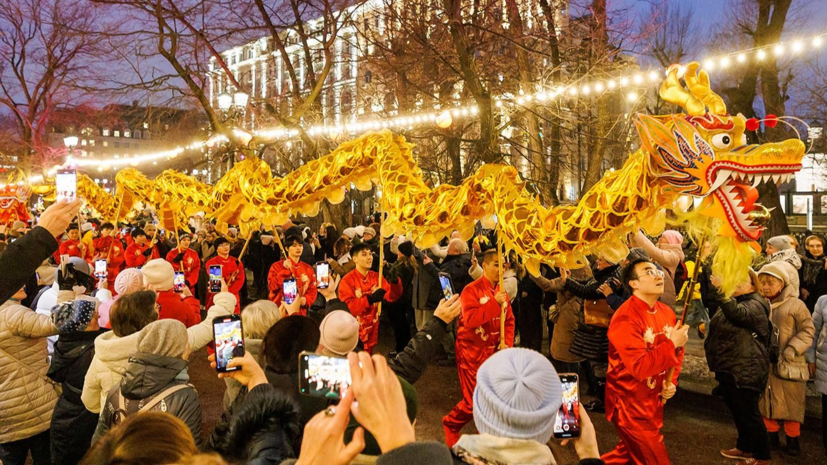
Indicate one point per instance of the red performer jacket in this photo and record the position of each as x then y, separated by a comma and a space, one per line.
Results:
115, 259
298, 270
365, 312
640, 354
175, 306
71, 248
229, 266
190, 264
478, 329
135, 257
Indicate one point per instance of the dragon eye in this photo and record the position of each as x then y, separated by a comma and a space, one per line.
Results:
721, 141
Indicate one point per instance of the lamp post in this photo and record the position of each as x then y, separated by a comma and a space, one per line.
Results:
233, 107
70, 142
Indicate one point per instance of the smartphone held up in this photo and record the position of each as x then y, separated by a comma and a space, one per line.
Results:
289, 290
567, 423
66, 185
323, 376
229, 341
215, 278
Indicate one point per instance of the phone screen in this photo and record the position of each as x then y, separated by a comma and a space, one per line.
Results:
447, 288
215, 278
100, 268
229, 341
322, 275
66, 184
180, 281
567, 424
323, 376
290, 290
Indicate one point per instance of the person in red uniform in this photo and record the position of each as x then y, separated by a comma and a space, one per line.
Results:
159, 276
478, 337
360, 290
114, 258
185, 259
232, 270
293, 267
72, 246
644, 344
140, 251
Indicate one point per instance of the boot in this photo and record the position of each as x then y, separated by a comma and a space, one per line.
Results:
775, 441
793, 448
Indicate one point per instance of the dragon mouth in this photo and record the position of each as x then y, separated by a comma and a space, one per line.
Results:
734, 185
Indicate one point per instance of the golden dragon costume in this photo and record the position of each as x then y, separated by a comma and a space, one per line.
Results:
701, 153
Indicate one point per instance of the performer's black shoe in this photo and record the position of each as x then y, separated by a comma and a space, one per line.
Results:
793, 448
775, 441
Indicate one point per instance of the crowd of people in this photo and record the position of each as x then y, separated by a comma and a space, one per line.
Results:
94, 365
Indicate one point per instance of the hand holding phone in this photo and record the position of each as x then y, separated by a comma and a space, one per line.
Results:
179, 282
567, 423
289, 290
66, 185
323, 376
322, 275
447, 285
229, 341
215, 278
100, 268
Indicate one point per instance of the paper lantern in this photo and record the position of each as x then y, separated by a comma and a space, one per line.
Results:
444, 120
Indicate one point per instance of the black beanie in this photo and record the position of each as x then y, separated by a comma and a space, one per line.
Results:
406, 248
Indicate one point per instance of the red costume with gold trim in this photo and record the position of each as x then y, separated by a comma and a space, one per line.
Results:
135, 257
365, 312
478, 337
71, 248
190, 265
640, 354
233, 272
307, 289
114, 260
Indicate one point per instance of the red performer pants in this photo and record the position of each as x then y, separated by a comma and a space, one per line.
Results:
463, 412
640, 447
792, 429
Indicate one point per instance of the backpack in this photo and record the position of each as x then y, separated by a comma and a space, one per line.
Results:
681, 276
122, 410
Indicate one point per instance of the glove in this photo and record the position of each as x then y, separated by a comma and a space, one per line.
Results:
789, 354
377, 296
178, 258
66, 281
147, 252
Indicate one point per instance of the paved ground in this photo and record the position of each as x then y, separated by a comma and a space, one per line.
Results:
696, 427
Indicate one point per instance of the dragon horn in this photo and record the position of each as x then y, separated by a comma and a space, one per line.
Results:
698, 83
673, 92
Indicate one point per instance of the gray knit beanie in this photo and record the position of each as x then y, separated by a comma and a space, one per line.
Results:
517, 396
339, 333
780, 242
164, 337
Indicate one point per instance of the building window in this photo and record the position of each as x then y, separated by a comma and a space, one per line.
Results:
105, 132
146, 125
105, 144
127, 133
83, 142
117, 145
137, 134
117, 133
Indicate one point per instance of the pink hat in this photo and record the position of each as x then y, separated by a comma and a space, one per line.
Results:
673, 237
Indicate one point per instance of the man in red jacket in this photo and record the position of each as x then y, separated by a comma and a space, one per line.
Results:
478, 337
114, 258
140, 252
360, 290
182, 306
293, 267
185, 259
72, 246
643, 345
232, 270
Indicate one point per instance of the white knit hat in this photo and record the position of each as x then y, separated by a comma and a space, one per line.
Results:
339, 333
158, 275
129, 280
349, 232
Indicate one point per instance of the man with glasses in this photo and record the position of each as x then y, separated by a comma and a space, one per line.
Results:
644, 344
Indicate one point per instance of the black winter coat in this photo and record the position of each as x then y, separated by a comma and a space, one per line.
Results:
264, 428
457, 266
20, 259
411, 362
813, 278
738, 339
588, 290
147, 375
72, 425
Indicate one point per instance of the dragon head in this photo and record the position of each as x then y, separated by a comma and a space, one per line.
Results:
14, 197
704, 153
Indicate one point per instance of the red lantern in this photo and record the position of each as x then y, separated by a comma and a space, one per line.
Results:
771, 120
752, 124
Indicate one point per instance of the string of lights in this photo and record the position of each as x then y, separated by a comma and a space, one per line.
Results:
583, 87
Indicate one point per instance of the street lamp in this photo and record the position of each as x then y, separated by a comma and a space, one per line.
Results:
225, 100
236, 102
70, 142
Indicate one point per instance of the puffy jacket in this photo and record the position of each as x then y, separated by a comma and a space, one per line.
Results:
21, 258
146, 376
72, 425
27, 398
668, 256
738, 340
112, 353
568, 318
457, 266
426, 292
818, 351
263, 430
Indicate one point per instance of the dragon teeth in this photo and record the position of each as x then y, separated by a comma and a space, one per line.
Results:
758, 179
722, 177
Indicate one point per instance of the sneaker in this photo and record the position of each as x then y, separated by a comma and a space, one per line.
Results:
736, 454
756, 462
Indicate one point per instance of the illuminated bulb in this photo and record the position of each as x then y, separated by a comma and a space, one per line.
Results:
631, 96
709, 65
520, 101
624, 81
741, 58
598, 87
559, 90
572, 90
528, 98
817, 42
653, 76
761, 55
586, 90
100, 168
797, 46
778, 49
474, 110
498, 104
464, 112
444, 120
612, 84
454, 112
638, 78
725, 62
541, 96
